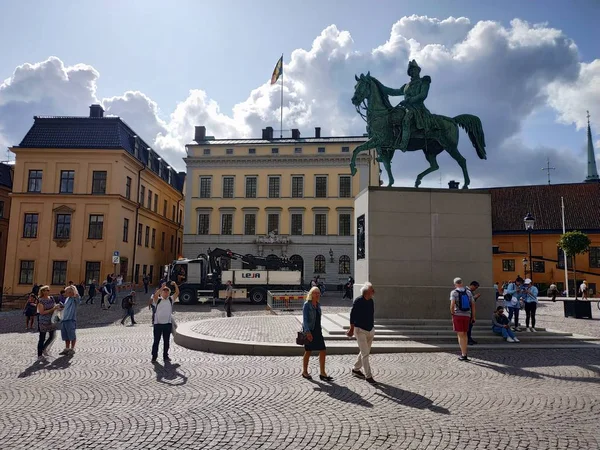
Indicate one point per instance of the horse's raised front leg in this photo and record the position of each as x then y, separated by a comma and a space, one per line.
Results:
433, 166
361, 148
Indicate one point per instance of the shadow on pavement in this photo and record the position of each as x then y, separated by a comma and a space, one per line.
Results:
61, 363
342, 393
407, 398
168, 374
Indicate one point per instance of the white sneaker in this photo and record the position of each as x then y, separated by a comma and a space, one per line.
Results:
509, 339
528, 330
516, 340
533, 330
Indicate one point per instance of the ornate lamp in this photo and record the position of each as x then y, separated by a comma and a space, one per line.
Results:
529, 223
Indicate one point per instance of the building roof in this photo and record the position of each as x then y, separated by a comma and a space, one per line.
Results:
6, 175
510, 205
97, 133
276, 141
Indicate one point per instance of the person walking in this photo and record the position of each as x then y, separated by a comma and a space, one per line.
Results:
348, 288
311, 325
30, 311
362, 325
473, 286
81, 290
583, 289
500, 325
68, 324
127, 304
146, 282
105, 291
45, 308
530, 297
228, 297
163, 321
462, 308
113, 289
92, 292
553, 291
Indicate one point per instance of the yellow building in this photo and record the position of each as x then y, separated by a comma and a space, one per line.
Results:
85, 188
291, 197
6, 176
510, 205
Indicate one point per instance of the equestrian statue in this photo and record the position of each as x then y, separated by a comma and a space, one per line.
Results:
410, 126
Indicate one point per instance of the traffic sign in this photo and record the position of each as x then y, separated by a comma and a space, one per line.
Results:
116, 259
116, 253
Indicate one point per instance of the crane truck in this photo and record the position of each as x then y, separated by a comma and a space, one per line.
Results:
202, 277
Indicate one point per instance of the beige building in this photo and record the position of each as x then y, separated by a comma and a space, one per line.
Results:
85, 188
291, 197
6, 176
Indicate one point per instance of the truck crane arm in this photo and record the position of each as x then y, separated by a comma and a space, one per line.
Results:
252, 261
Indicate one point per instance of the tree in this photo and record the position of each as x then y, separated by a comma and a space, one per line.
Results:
574, 243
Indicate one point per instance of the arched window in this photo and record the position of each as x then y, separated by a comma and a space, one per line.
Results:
299, 261
319, 264
345, 265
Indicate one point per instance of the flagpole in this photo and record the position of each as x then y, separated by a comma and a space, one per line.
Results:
281, 107
562, 203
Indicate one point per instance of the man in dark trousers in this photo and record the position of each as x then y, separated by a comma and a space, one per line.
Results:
228, 298
362, 324
146, 282
163, 322
127, 304
472, 287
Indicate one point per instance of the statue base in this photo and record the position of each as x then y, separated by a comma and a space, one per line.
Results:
412, 243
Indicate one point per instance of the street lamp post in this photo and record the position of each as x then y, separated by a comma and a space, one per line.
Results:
529, 222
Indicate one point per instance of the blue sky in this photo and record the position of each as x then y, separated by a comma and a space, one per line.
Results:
229, 48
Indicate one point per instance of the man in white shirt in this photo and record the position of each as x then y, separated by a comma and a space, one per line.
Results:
162, 300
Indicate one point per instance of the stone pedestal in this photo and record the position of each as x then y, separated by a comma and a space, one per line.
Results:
411, 244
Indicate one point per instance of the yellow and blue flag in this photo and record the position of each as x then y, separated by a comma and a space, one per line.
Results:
277, 71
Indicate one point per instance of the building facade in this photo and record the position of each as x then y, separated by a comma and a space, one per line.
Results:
290, 197
85, 188
6, 177
510, 205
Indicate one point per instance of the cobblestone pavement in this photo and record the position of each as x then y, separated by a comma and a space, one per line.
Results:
109, 396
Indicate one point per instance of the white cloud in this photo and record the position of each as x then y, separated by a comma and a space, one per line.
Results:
502, 74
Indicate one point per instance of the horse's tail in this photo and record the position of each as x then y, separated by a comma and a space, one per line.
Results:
472, 125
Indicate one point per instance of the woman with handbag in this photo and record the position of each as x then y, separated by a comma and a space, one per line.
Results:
45, 308
311, 326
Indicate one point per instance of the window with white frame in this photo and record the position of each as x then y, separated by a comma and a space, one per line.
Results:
274, 184
297, 186
228, 187
345, 186
227, 223
296, 224
344, 224
273, 223
321, 186
205, 185
320, 224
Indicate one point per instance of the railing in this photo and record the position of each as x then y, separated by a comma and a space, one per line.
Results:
285, 300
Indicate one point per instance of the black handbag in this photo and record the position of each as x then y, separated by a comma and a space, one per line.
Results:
301, 338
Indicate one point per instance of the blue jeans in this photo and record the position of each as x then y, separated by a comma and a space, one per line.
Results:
513, 311
505, 332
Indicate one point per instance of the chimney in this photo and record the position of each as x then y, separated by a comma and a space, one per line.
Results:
453, 184
96, 111
317, 132
200, 134
268, 133
295, 133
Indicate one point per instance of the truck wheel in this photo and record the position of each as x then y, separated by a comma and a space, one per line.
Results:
187, 297
258, 295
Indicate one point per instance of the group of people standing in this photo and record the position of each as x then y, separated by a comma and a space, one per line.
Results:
521, 294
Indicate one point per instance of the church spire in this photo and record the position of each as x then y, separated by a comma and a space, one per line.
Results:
592, 171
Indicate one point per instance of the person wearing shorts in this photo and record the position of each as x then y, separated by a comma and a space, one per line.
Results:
461, 319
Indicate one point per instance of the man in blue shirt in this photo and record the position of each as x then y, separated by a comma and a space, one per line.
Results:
362, 325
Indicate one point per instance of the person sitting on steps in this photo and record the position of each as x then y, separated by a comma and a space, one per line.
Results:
500, 325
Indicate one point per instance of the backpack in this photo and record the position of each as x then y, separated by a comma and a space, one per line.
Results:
464, 302
126, 302
160, 298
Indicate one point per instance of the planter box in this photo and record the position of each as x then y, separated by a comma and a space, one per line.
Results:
578, 309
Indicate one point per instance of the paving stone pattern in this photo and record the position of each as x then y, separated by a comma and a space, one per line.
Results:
110, 396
